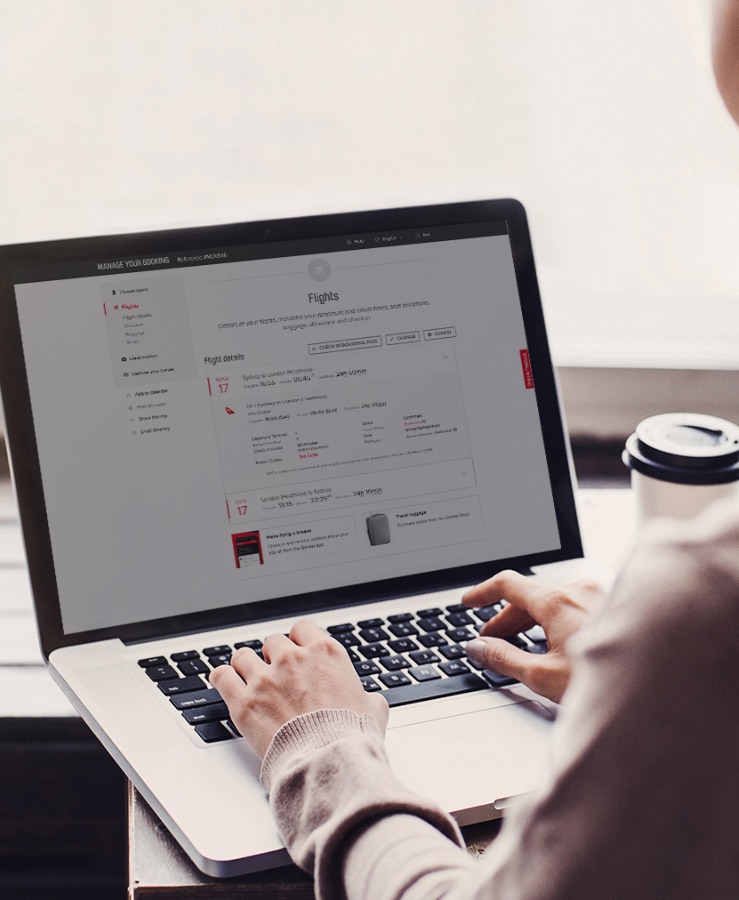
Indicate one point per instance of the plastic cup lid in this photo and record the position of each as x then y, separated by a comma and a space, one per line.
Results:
688, 448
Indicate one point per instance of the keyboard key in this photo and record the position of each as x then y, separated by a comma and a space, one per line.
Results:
211, 732
433, 639
373, 651
195, 698
161, 673
369, 684
495, 679
424, 673
393, 663
151, 661
371, 623
181, 685
452, 651
454, 667
402, 645
458, 635
428, 613
518, 641
220, 650
400, 617
422, 657
459, 619
366, 667
538, 638
224, 659
403, 629
184, 654
348, 638
252, 645
214, 712
485, 613
431, 623
394, 679
456, 607
424, 690
374, 634
340, 629
193, 667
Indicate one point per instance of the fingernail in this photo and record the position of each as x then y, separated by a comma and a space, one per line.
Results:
476, 650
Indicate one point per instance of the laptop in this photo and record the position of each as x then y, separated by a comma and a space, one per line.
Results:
214, 431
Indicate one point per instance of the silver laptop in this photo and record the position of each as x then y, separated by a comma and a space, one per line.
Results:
214, 431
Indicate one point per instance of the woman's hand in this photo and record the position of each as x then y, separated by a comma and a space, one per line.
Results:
561, 611
300, 673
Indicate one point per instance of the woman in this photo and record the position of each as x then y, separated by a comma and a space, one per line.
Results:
642, 800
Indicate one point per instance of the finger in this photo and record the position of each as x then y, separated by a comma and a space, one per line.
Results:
547, 673
509, 621
502, 657
227, 682
591, 591
276, 646
496, 588
321, 646
519, 590
245, 661
305, 632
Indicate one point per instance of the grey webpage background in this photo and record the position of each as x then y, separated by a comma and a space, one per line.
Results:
141, 470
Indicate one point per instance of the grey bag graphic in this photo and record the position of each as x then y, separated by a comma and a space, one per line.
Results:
378, 529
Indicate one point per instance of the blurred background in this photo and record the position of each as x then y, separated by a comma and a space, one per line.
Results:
602, 118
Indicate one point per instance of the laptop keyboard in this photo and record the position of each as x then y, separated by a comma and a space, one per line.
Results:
407, 656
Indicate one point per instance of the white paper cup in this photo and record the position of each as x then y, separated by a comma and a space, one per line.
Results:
681, 463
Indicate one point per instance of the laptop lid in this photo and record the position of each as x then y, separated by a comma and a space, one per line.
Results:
233, 423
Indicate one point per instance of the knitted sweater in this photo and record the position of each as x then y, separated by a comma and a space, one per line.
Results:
642, 800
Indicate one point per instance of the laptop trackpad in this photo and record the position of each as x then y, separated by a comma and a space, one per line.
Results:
472, 762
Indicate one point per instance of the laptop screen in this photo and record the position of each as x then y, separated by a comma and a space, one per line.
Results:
223, 417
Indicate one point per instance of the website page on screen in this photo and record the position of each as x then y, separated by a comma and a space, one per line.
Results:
215, 431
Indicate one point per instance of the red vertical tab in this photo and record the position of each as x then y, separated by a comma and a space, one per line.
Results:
528, 376
210, 390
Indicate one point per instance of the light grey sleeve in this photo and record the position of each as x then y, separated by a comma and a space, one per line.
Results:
329, 780
643, 797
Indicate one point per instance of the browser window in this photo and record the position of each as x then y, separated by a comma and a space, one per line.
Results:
335, 404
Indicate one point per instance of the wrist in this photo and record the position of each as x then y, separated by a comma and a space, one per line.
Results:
310, 731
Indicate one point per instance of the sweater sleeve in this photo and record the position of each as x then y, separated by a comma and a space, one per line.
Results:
328, 778
642, 799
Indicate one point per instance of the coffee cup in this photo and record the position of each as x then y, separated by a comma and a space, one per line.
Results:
681, 463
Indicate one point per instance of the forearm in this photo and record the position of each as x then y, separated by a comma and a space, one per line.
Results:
338, 804
403, 856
